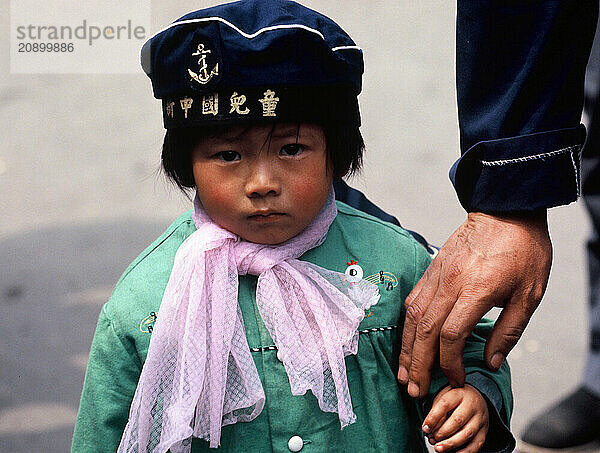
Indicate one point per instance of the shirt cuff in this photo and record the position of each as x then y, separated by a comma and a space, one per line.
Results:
522, 173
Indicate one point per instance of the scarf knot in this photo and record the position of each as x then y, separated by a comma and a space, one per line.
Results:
253, 262
199, 374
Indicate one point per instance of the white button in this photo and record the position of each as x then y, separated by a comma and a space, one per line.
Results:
279, 356
295, 443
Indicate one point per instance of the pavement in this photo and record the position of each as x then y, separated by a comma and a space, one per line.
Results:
81, 195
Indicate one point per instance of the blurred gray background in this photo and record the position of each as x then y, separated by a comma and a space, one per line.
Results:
81, 195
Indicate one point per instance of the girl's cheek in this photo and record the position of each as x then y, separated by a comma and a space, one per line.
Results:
213, 188
308, 191
215, 195
303, 190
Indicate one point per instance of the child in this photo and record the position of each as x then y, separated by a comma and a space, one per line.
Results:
269, 318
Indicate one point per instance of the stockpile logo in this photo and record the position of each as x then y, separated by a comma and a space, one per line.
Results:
85, 37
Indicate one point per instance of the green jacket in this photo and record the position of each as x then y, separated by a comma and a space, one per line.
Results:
387, 418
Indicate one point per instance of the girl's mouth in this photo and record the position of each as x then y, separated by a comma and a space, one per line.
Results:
266, 216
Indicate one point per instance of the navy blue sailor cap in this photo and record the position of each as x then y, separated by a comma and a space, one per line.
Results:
253, 60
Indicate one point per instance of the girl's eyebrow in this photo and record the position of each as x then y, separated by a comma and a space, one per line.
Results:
293, 131
286, 132
231, 135
278, 132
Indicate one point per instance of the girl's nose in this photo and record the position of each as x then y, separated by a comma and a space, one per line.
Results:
262, 180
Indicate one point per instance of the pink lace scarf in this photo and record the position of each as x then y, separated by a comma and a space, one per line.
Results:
199, 374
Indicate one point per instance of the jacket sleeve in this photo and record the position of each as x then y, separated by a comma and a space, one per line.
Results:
110, 382
520, 76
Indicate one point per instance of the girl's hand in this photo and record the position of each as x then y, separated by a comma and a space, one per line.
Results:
458, 418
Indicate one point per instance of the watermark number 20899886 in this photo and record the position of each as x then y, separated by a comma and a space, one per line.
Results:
46, 47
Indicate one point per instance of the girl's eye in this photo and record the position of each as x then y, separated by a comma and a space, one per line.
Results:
292, 149
228, 156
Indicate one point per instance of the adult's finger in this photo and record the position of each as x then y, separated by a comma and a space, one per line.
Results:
459, 324
416, 305
427, 337
508, 329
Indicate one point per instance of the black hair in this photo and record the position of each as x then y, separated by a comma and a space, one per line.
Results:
344, 144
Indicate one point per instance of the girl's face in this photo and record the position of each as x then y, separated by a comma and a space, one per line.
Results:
263, 183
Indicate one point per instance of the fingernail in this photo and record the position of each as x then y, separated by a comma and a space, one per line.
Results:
426, 428
439, 448
413, 389
431, 440
497, 360
403, 375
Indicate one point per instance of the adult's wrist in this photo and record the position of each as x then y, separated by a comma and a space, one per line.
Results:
536, 217
522, 173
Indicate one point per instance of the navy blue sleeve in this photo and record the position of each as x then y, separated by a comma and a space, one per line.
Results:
520, 73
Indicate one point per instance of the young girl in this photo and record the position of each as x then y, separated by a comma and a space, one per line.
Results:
269, 317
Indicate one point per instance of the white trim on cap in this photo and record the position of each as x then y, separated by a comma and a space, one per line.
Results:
335, 49
249, 35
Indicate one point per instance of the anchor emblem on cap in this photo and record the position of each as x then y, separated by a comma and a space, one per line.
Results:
203, 76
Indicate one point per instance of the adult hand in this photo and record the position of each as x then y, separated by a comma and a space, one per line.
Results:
489, 261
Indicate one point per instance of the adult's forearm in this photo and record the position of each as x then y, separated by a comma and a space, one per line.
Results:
520, 76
